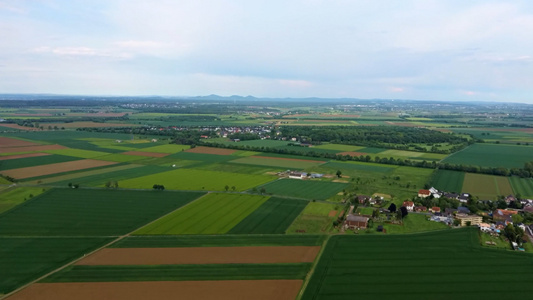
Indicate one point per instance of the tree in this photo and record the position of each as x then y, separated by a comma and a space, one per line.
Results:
263, 191
392, 207
517, 219
404, 211
233, 188
226, 187
339, 173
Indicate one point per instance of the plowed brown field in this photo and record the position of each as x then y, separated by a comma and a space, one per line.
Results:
209, 150
31, 148
6, 142
28, 172
163, 290
201, 255
23, 155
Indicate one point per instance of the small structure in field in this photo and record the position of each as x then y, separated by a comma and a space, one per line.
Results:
356, 222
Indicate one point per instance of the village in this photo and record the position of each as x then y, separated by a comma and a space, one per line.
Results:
504, 219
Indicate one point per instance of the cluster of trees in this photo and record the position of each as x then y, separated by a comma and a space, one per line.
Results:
375, 136
514, 233
111, 184
159, 187
244, 136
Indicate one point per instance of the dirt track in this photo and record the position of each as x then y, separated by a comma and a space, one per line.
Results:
201, 255
28, 172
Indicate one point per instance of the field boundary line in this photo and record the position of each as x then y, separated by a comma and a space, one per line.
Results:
312, 271
90, 253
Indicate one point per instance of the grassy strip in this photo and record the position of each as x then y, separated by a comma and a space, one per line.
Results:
180, 272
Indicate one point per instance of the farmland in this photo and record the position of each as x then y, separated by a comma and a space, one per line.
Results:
522, 186
486, 186
449, 181
63, 212
211, 214
286, 163
191, 179
36, 171
315, 218
319, 190
273, 216
34, 161
224, 289
402, 260
25, 259
483, 155
16, 196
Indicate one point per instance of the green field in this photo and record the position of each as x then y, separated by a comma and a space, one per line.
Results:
169, 148
212, 214
121, 157
273, 216
95, 179
522, 186
77, 153
192, 179
15, 196
25, 259
486, 186
412, 266
449, 181
282, 163
339, 147
226, 240
410, 224
180, 272
492, 155
308, 189
81, 212
360, 166
34, 161
314, 218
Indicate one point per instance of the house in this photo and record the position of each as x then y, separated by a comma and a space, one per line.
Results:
485, 227
362, 198
356, 221
528, 209
463, 210
433, 190
410, 205
462, 198
424, 193
450, 195
504, 215
450, 212
421, 208
435, 209
510, 199
154, 140
465, 219
443, 219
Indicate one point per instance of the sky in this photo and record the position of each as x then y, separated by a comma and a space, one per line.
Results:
387, 49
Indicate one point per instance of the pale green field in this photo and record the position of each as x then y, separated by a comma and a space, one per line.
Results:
211, 214
14, 197
192, 179
168, 148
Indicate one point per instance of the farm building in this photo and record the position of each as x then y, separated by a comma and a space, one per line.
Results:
356, 221
424, 193
474, 220
410, 205
297, 175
